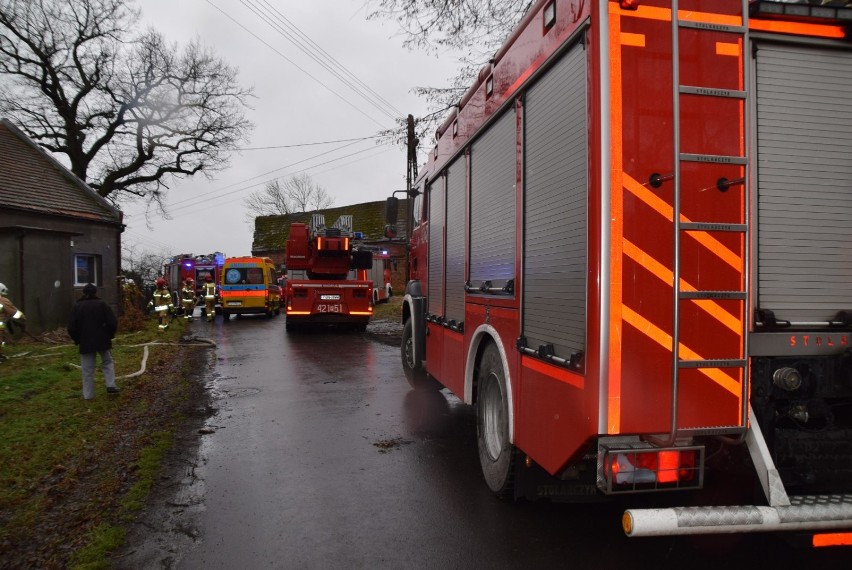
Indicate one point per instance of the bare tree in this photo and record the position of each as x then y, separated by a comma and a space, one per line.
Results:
130, 112
271, 201
140, 264
299, 193
475, 28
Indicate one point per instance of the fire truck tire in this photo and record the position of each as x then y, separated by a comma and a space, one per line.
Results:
496, 452
416, 375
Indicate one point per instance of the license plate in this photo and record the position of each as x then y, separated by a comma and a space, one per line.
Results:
235, 303
330, 297
329, 308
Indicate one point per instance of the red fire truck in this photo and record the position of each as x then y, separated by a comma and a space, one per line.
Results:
196, 267
380, 275
327, 275
632, 255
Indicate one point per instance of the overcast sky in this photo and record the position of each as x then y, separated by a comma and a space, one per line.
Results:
297, 103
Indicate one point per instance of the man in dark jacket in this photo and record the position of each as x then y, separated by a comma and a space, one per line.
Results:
93, 326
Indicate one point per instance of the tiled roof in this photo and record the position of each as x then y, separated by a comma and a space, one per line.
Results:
31, 179
271, 232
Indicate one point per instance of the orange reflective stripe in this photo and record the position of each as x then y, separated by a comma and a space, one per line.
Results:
664, 339
665, 15
665, 275
725, 48
664, 209
832, 539
797, 28
555, 372
613, 395
634, 40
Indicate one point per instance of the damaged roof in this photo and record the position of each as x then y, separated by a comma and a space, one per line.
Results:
32, 180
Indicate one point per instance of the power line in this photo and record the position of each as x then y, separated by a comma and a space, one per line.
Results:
298, 38
294, 64
337, 64
183, 203
305, 144
263, 174
147, 239
237, 198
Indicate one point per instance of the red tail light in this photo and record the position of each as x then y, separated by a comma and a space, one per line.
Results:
651, 469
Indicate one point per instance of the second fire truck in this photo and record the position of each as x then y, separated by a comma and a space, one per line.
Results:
196, 267
326, 275
632, 253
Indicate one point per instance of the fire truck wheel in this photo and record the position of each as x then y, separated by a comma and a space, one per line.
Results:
496, 452
416, 375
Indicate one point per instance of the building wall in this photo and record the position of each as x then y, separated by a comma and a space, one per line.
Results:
37, 263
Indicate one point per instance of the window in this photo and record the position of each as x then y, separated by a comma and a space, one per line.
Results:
86, 269
549, 16
244, 275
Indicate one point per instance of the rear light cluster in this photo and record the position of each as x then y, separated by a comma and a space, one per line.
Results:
632, 470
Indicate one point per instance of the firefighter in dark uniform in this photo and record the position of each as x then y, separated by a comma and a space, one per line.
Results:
209, 292
187, 298
9, 315
162, 303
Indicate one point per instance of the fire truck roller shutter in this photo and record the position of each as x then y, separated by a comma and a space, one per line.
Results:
454, 284
492, 203
556, 181
435, 293
804, 181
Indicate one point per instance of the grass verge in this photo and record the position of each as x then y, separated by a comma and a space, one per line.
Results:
73, 472
390, 311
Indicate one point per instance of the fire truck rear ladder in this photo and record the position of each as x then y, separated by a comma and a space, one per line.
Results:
783, 513
680, 228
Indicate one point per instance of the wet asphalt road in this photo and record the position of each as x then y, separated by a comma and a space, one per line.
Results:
321, 456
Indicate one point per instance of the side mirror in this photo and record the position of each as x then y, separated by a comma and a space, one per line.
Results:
391, 210
390, 231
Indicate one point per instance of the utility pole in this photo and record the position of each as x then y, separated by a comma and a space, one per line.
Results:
411, 174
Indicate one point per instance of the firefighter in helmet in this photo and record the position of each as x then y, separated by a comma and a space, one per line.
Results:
187, 298
209, 291
9, 315
162, 304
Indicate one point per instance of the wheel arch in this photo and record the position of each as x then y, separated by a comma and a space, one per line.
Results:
483, 336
